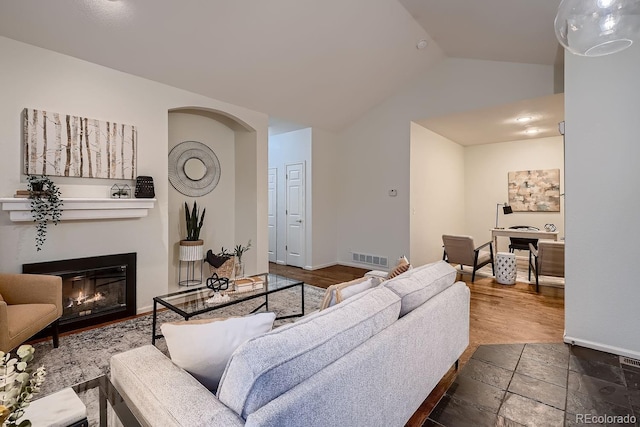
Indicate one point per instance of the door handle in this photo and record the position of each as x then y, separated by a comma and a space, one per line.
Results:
299, 221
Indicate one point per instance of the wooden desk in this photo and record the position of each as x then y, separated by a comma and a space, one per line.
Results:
515, 232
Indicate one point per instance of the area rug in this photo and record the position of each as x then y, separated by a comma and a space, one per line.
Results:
522, 275
85, 355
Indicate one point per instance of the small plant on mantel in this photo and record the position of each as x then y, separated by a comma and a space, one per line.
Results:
46, 205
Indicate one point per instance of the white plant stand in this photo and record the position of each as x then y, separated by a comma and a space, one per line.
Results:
190, 255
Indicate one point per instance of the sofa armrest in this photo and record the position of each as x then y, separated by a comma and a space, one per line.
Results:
31, 289
159, 393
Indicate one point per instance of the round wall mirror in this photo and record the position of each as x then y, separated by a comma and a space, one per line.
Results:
194, 169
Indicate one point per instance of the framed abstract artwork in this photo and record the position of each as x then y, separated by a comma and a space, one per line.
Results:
535, 190
59, 144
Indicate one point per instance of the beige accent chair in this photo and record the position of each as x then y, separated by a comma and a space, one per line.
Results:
461, 250
546, 260
28, 304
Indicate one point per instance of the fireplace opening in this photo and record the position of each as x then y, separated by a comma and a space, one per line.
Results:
95, 289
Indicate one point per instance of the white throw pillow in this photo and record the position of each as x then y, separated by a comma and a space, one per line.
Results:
203, 347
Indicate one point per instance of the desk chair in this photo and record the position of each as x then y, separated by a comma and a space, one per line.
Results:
461, 250
546, 260
522, 243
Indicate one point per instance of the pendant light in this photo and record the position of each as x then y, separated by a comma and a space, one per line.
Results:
597, 27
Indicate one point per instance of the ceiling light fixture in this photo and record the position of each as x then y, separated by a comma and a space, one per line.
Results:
597, 27
524, 119
422, 44
531, 131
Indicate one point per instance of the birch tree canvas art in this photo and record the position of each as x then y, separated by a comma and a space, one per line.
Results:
63, 145
535, 190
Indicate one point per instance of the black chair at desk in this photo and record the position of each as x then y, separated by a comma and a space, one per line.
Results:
522, 243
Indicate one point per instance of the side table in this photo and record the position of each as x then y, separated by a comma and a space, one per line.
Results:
62, 408
506, 268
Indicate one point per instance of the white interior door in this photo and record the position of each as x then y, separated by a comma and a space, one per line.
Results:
272, 215
295, 242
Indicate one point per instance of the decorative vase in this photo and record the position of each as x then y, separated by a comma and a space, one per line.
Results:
239, 269
191, 250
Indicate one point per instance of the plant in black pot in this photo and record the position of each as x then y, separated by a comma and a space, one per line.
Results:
191, 246
46, 205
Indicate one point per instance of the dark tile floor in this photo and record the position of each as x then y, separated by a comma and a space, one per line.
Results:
540, 385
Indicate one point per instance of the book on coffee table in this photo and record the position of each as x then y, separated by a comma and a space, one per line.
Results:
248, 284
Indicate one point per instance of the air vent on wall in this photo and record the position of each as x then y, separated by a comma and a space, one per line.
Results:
377, 260
629, 361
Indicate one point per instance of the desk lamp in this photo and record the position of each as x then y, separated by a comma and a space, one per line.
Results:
506, 209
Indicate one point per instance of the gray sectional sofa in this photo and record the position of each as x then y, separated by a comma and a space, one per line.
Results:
369, 361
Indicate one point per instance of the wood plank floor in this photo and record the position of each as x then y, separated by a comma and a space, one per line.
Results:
499, 315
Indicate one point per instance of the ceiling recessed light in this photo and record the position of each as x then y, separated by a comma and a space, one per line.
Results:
422, 44
524, 119
531, 131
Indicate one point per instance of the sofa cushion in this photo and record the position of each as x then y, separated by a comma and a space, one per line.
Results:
419, 284
342, 291
266, 366
203, 347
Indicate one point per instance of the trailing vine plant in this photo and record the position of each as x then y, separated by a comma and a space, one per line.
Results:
45, 205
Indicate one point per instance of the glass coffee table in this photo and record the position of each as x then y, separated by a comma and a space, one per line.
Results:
193, 302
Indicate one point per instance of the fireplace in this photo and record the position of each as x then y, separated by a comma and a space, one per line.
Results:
95, 289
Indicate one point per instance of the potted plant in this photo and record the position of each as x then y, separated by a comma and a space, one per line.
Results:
191, 247
45, 205
18, 383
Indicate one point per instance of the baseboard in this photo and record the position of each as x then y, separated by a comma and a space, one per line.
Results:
145, 310
362, 266
602, 347
317, 267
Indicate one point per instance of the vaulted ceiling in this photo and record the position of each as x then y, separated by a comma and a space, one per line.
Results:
315, 63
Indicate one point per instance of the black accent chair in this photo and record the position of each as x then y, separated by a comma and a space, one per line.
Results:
521, 243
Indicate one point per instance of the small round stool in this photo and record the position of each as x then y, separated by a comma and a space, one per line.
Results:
506, 268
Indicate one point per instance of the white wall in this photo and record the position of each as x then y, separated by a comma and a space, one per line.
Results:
38, 78
325, 187
219, 225
375, 151
284, 149
602, 101
437, 193
487, 167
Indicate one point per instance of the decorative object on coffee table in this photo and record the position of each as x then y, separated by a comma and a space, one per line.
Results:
191, 247
238, 251
46, 205
222, 268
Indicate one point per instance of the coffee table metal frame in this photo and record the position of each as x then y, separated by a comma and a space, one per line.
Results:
108, 393
272, 284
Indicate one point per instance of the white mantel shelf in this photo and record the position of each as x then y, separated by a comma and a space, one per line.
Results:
82, 208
